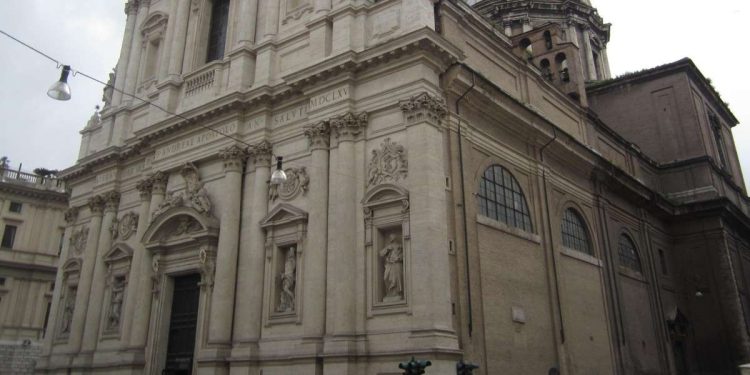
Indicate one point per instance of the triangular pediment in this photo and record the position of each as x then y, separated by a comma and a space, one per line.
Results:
119, 252
283, 213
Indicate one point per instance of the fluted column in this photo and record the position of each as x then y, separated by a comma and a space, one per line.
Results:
96, 299
177, 49
96, 206
222, 299
316, 249
131, 9
158, 185
134, 61
341, 296
71, 216
252, 259
138, 270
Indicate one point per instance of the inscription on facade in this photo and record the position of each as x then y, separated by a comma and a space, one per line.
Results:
103, 178
196, 140
316, 102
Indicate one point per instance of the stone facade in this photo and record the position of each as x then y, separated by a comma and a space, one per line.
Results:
32, 221
445, 199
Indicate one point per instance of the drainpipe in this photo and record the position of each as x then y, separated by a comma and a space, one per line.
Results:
463, 200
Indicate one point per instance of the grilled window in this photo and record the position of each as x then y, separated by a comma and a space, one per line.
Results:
628, 255
574, 234
500, 198
16, 207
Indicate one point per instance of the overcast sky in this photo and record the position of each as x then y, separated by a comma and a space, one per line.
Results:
87, 34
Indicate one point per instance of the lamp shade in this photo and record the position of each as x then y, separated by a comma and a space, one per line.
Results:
278, 176
60, 90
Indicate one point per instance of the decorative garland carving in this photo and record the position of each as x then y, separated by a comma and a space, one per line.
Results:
387, 164
297, 181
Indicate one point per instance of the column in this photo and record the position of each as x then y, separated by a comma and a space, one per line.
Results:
589, 54
322, 7
142, 312
180, 37
71, 216
252, 251
271, 15
222, 299
136, 279
341, 300
96, 300
122, 63
314, 285
134, 61
247, 19
96, 206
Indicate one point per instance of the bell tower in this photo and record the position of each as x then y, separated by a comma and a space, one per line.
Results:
565, 39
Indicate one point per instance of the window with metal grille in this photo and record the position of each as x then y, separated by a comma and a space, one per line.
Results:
628, 255
574, 233
217, 35
9, 236
16, 207
500, 198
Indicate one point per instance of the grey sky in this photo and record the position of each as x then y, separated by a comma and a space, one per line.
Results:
87, 34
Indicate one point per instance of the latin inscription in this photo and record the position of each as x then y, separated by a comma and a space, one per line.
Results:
105, 177
316, 102
196, 140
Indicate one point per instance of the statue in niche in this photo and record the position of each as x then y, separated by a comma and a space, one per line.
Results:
67, 318
288, 281
393, 273
196, 195
109, 89
115, 305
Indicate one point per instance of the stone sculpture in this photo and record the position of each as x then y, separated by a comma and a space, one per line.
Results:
67, 318
393, 260
387, 164
115, 305
288, 281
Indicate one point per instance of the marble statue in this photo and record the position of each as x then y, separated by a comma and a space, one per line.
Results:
393, 260
288, 281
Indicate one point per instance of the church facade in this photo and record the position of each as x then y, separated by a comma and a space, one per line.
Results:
464, 182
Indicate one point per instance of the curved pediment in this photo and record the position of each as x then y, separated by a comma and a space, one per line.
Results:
179, 223
385, 193
283, 214
71, 265
119, 252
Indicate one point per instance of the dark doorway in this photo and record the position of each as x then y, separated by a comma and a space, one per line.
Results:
182, 324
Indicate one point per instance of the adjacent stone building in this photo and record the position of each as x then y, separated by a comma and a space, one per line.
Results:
463, 182
32, 224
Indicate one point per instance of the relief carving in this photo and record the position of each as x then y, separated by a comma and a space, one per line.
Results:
288, 282
71, 214
115, 305
127, 225
297, 181
387, 164
207, 268
423, 107
78, 240
195, 195
67, 317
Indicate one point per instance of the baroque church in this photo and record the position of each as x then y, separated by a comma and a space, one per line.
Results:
465, 181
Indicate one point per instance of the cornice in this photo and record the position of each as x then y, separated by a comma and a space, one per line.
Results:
26, 191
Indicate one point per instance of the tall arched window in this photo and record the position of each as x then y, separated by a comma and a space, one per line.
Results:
217, 35
548, 40
500, 198
574, 233
562, 67
628, 254
546, 71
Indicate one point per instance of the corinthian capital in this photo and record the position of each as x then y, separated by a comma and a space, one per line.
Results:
144, 188
96, 204
319, 135
262, 153
111, 200
233, 156
349, 126
423, 107
159, 182
71, 214
131, 7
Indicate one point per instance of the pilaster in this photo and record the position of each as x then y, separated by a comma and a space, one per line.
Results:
131, 9
138, 277
134, 57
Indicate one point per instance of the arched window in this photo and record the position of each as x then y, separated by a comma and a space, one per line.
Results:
500, 198
548, 40
628, 254
217, 35
562, 67
544, 66
527, 48
574, 233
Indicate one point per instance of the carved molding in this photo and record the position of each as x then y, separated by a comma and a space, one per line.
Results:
159, 182
349, 126
262, 153
297, 181
319, 135
111, 200
423, 107
144, 188
389, 164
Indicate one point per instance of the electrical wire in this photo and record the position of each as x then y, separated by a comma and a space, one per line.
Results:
78, 72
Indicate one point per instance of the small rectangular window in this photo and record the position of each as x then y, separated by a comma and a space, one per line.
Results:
16, 207
2, 281
9, 236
